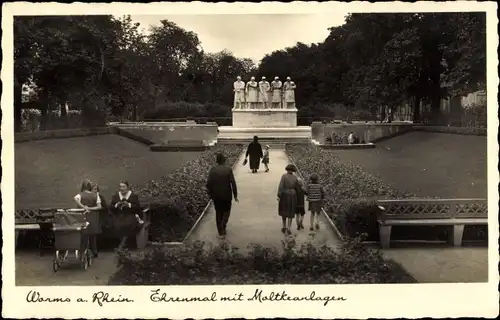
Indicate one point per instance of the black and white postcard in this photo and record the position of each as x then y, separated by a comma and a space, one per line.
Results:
250, 160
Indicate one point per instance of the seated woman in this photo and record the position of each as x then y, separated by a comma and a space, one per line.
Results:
89, 200
125, 209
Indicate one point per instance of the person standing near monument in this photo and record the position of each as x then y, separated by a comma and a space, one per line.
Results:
289, 94
239, 93
221, 187
254, 151
264, 88
251, 90
276, 93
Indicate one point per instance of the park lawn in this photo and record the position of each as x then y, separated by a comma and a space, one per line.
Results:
48, 173
427, 164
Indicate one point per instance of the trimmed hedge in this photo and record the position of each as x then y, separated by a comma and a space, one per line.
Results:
63, 133
178, 199
195, 264
183, 109
351, 194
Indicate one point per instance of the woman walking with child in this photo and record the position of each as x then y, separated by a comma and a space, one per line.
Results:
254, 152
287, 198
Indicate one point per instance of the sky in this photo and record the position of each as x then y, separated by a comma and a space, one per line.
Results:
251, 35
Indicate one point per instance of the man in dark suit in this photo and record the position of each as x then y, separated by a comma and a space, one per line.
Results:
221, 188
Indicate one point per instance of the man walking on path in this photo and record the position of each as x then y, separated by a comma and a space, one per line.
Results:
221, 189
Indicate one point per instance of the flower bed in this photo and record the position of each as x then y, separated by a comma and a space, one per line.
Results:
195, 265
178, 199
351, 194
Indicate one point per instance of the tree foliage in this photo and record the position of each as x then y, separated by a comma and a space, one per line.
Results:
106, 65
385, 59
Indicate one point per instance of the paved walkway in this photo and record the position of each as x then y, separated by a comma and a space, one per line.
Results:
255, 218
443, 265
35, 270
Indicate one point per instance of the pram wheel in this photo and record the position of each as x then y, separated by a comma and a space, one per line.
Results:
85, 261
89, 257
55, 265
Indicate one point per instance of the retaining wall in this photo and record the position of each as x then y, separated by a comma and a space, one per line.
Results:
162, 133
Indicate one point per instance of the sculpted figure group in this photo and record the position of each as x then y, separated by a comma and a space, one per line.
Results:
264, 95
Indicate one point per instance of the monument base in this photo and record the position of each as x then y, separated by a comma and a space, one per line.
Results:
264, 118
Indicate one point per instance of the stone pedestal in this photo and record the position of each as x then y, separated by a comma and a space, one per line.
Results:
264, 118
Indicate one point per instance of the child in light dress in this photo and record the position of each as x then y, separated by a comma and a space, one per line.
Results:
265, 158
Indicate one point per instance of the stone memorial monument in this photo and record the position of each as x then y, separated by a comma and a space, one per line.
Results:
239, 93
289, 94
263, 104
251, 93
268, 111
264, 88
276, 95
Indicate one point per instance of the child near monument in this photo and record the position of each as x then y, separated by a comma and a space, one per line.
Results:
265, 158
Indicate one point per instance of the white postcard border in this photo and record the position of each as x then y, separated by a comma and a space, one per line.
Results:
362, 301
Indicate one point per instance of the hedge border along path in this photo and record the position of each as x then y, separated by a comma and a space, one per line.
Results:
351, 194
178, 199
193, 264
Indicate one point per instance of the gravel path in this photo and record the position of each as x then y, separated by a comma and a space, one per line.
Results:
443, 265
35, 270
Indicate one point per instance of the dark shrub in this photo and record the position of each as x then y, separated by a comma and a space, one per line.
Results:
195, 264
178, 199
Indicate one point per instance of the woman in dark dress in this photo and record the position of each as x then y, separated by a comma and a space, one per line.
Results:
254, 151
288, 189
89, 200
125, 209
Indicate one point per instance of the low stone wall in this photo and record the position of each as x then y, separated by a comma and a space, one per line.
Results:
368, 145
65, 133
453, 130
160, 133
365, 132
318, 132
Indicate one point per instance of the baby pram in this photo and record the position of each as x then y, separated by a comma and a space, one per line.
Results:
71, 241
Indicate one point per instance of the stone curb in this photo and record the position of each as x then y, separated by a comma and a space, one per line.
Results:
205, 210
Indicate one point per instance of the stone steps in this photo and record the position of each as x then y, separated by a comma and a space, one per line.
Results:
272, 142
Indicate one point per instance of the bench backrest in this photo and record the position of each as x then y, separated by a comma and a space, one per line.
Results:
46, 215
27, 216
433, 209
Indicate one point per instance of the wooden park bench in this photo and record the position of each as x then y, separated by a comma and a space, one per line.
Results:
455, 213
41, 220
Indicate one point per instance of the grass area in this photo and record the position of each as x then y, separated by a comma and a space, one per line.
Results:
49, 172
427, 164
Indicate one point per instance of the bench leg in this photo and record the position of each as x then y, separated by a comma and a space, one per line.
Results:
142, 237
455, 237
385, 236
